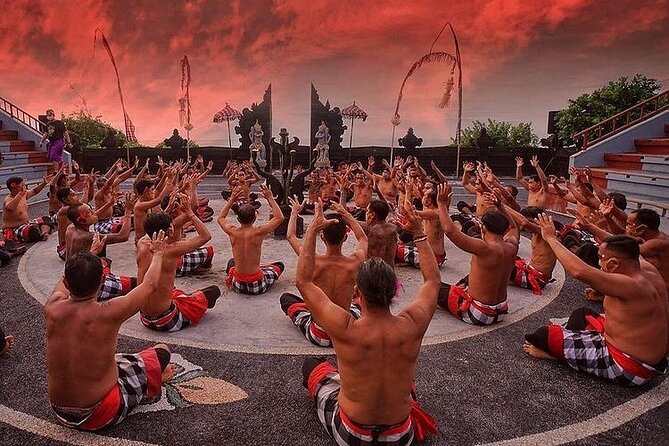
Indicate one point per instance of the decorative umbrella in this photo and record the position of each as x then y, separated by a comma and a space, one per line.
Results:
227, 114
353, 112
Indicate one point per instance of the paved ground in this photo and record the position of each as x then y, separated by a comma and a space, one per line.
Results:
481, 389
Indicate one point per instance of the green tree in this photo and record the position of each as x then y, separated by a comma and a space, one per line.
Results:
501, 134
90, 130
615, 97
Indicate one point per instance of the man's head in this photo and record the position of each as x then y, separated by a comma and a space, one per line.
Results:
145, 189
495, 222
359, 178
385, 174
66, 196
335, 234
429, 199
377, 212
14, 184
616, 251
81, 215
511, 189
376, 282
382, 242
246, 214
100, 182
641, 221
50, 115
83, 275
156, 222
619, 200
62, 180
534, 183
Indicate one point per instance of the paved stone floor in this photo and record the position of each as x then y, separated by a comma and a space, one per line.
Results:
239, 380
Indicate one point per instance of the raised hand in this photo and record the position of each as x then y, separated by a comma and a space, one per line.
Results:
136, 161
158, 242
266, 192
371, 161
210, 165
535, 161
98, 244
339, 209
606, 207
468, 166
75, 165
411, 222
491, 199
295, 206
398, 161
146, 163
130, 200
319, 222
519, 161
444, 194
545, 222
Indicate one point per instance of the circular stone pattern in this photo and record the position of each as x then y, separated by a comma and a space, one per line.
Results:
256, 324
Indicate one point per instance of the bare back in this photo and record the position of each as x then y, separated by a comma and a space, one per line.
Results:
489, 274
246, 244
656, 251
335, 275
543, 258
77, 240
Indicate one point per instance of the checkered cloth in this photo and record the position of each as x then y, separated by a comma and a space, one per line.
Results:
138, 378
256, 283
525, 275
463, 306
113, 285
324, 386
301, 317
194, 260
579, 233
408, 253
587, 350
21, 233
185, 310
61, 250
110, 226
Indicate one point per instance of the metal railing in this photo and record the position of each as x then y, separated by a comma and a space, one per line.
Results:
623, 120
21, 115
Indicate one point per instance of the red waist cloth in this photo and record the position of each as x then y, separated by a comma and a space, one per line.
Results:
247, 278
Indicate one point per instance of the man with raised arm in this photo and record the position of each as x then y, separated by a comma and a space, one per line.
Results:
369, 400
630, 343
536, 185
106, 193
245, 273
168, 308
480, 297
90, 386
644, 224
334, 271
16, 224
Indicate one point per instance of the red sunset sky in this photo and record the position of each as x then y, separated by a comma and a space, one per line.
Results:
521, 58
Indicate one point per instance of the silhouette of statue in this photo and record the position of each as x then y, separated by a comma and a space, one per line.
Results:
257, 146
322, 148
410, 141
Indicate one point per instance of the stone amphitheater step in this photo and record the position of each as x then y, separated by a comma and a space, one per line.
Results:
9, 135
633, 182
28, 157
16, 146
26, 171
652, 146
637, 161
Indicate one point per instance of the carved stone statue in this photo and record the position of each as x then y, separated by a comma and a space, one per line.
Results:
410, 141
322, 148
257, 146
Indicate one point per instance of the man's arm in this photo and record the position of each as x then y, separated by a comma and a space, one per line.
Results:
358, 232
334, 319
610, 284
37, 189
291, 231
540, 173
124, 233
203, 235
223, 222
462, 241
440, 176
11, 203
519, 172
467, 170
277, 215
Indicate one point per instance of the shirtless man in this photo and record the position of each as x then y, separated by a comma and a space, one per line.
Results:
90, 386
16, 225
407, 252
146, 202
480, 297
630, 345
536, 273
362, 195
473, 185
78, 238
369, 399
106, 192
644, 224
334, 271
61, 179
386, 184
536, 185
168, 308
245, 274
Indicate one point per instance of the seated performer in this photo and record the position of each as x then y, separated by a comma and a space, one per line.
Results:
370, 400
78, 238
645, 224
90, 386
480, 297
407, 252
107, 185
16, 225
630, 344
245, 274
61, 179
536, 186
533, 274
168, 308
334, 272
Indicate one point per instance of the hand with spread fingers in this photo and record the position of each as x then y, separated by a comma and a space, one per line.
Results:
519, 161
295, 206
98, 244
320, 222
444, 194
266, 192
411, 222
158, 243
130, 200
545, 222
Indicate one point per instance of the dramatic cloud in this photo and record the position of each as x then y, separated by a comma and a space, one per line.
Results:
521, 58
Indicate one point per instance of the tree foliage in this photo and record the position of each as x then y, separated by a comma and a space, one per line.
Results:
615, 97
90, 130
500, 133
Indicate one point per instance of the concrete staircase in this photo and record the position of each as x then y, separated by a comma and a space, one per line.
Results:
21, 159
642, 175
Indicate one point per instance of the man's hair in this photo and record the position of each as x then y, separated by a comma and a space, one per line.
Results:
532, 212
513, 190
648, 217
60, 179
15, 180
380, 209
377, 282
619, 200
589, 253
83, 272
335, 233
432, 196
62, 193
246, 214
534, 178
73, 212
142, 185
156, 222
623, 245
495, 222
382, 242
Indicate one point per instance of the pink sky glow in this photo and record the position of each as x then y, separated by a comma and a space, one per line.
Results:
521, 58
